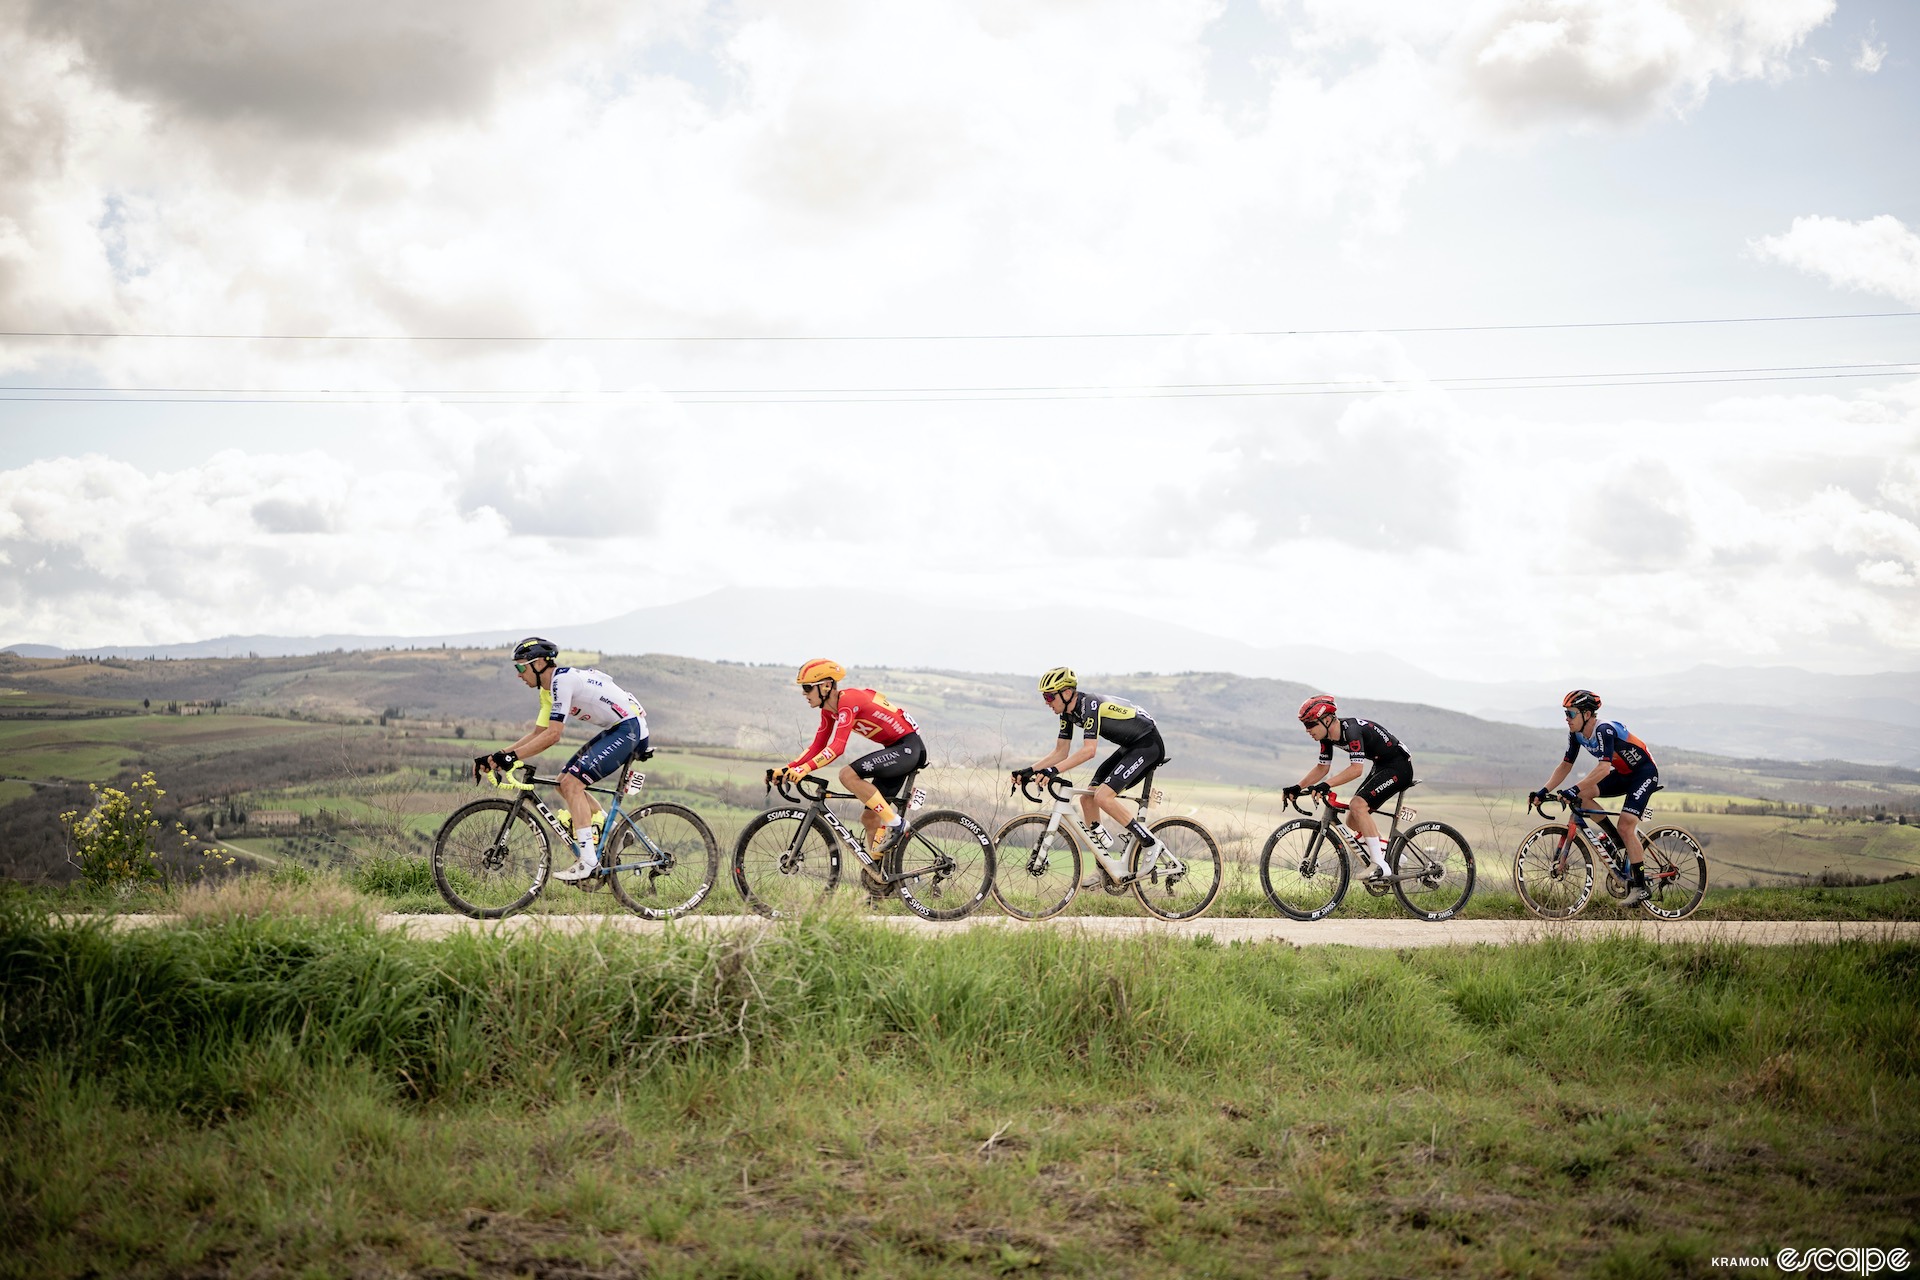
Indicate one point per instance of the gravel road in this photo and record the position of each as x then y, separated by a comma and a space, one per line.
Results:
1332, 932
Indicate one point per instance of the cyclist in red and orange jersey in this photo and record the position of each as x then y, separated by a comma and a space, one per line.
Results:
874, 778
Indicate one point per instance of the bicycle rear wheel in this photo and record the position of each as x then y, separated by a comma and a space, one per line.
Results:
1304, 872
1035, 874
1676, 872
1445, 864
948, 859
1553, 872
786, 862
1189, 887
491, 858
676, 857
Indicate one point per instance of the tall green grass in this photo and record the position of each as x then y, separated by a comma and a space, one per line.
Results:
288, 1093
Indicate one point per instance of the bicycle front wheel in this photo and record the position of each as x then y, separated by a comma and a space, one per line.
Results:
1440, 857
1676, 872
947, 861
1553, 872
663, 858
491, 858
1186, 886
786, 862
1036, 872
1304, 871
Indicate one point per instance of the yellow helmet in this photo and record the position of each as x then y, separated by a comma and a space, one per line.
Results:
814, 670
1059, 678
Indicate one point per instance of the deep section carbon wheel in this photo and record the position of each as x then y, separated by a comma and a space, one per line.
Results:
491, 858
670, 856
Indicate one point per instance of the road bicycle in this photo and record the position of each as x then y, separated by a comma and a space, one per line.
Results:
1176, 877
1308, 862
492, 857
1553, 869
788, 860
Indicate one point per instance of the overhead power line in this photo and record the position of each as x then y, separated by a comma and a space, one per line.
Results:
944, 337
963, 395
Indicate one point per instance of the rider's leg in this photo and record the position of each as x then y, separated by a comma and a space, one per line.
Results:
1108, 801
875, 812
1360, 822
1629, 828
580, 805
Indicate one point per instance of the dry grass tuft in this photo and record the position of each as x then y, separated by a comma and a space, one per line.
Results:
251, 897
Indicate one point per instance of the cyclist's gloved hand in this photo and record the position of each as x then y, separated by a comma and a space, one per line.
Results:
789, 773
1537, 798
1320, 789
1048, 772
1289, 794
1023, 774
494, 762
1571, 795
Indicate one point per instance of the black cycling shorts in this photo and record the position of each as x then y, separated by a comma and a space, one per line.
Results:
1129, 764
607, 751
1388, 779
889, 766
1638, 788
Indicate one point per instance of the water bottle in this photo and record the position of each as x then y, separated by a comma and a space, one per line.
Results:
1098, 835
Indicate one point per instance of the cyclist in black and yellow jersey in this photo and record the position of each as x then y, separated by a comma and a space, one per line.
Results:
1126, 726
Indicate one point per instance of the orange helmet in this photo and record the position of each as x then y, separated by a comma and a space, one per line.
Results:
814, 670
1320, 704
1581, 700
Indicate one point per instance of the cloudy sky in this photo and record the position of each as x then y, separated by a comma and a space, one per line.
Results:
1295, 321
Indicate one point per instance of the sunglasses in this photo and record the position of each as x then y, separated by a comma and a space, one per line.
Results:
1574, 713
522, 667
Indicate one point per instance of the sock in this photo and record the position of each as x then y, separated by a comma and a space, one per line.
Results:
1140, 830
1638, 875
884, 810
588, 850
1376, 849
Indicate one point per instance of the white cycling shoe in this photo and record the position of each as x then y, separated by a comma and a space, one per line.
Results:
580, 870
1636, 894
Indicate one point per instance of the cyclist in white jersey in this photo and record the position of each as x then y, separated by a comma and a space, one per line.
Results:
589, 697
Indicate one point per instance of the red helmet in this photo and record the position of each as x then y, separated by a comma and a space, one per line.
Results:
1581, 700
1320, 704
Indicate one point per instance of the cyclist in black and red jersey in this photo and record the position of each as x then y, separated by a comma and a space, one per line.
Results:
1626, 769
1370, 748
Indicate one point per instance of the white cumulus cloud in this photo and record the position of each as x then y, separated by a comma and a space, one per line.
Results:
1877, 255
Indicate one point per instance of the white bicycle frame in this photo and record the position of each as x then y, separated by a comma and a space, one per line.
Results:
1064, 795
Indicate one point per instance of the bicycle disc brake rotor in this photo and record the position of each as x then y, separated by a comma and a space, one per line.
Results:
495, 857
790, 862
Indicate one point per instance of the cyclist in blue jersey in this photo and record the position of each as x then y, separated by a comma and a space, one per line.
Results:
1626, 769
592, 698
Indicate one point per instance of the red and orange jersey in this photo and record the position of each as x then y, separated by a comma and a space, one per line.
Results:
861, 711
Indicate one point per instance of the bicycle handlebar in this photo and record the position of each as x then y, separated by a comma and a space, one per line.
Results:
1292, 796
1055, 785
812, 788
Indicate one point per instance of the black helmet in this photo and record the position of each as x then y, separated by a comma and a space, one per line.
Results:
534, 647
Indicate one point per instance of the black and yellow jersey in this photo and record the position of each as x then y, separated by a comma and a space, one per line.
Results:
1120, 723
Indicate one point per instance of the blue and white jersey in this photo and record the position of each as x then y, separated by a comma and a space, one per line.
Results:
587, 696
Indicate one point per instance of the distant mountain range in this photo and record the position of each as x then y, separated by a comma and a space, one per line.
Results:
1782, 713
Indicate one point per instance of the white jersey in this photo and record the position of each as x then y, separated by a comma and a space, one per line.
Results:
590, 697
